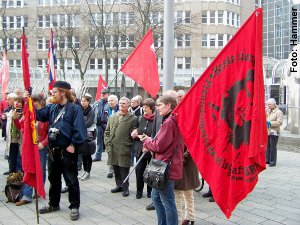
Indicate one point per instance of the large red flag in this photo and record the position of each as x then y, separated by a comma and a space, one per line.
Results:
101, 85
141, 66
222, 118
30, 153
4, 75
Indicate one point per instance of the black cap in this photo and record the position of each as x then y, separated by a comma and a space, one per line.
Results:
62, 84
105, 91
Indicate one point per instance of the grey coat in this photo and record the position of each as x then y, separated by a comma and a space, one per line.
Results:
118, 140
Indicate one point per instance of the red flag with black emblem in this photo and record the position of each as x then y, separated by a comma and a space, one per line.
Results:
222, 118
141, 65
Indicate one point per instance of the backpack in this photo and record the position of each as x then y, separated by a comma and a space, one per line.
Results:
13, 191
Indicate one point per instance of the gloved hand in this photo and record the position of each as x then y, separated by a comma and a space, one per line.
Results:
268, 124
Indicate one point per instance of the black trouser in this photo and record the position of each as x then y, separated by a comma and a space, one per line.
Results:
13, 157
139, 171
63, 163
87, 163
271, 153
120, 175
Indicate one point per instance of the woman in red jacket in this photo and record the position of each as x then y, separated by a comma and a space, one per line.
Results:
167, 146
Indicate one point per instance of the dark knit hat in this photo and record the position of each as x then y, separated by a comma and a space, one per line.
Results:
105, 91
62, 84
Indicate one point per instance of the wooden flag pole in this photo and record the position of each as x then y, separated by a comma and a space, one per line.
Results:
37, 207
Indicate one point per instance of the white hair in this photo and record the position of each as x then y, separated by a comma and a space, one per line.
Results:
271, 101
12, 95
113, 97
126, 99
181, 92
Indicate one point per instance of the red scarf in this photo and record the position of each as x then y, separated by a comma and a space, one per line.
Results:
149, 117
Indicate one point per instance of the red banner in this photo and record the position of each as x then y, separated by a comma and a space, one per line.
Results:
101, 85
222, 118
141, 65
30, 153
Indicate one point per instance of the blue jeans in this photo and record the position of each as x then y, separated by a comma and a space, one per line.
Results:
100, 143
165, 206
27, 190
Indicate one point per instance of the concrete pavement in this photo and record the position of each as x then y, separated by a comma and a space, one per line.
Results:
275, 200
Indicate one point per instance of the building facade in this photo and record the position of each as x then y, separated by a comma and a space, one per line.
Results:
95, 37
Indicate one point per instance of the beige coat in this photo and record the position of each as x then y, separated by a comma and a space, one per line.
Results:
275, 116
118, 140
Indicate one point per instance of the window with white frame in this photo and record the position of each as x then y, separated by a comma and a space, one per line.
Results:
41, 63
11, 22
11, 43
179, 41
212, 17
122, 61
62, 20
115, 18
76, 42
187, 17
130, 41
18, 63
11, 63
123, 19
76, 21
154, 17
4, 22
115, 41
108, 41
220, 17
92, 63
109, 63
130, 18
220, 40
108, 18
115, 63
100, 64
40, 43
212, 40
204, 40
187, 40
204, 17
187, 63
179, 63
123, 41
179, 17
69, 64
92, 42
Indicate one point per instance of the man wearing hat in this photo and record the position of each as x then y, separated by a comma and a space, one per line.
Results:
101, 117
66, 131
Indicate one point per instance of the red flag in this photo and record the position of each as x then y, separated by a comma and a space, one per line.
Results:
30, 153
141, 66
101, 85
4, 75
222, 118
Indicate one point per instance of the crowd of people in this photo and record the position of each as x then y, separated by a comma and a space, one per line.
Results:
127, 130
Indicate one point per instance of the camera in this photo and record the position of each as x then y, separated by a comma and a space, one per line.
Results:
19, 111
53, 132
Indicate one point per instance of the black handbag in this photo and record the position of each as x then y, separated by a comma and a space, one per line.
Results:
156, 174
86, 148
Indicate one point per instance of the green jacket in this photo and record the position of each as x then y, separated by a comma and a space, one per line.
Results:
117, 139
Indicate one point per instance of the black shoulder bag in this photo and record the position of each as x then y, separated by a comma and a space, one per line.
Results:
156, 172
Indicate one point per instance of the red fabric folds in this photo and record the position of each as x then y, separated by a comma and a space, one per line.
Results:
222, 118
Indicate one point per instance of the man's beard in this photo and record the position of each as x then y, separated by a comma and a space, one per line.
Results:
53, 100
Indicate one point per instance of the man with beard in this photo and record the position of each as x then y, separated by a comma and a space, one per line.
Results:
66, 131
101, 117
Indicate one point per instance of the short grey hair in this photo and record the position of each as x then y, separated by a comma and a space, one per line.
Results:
126, 99
181, 92
271, 101
12, 95
113, 97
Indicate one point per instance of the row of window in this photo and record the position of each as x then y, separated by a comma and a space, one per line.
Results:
14, 3
57, 2
214, 40
14, 22
13, 44
62, 20
112, 41
236, 2
221, 17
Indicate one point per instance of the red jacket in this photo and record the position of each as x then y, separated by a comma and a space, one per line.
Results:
165, 143
42, 130
3, 105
